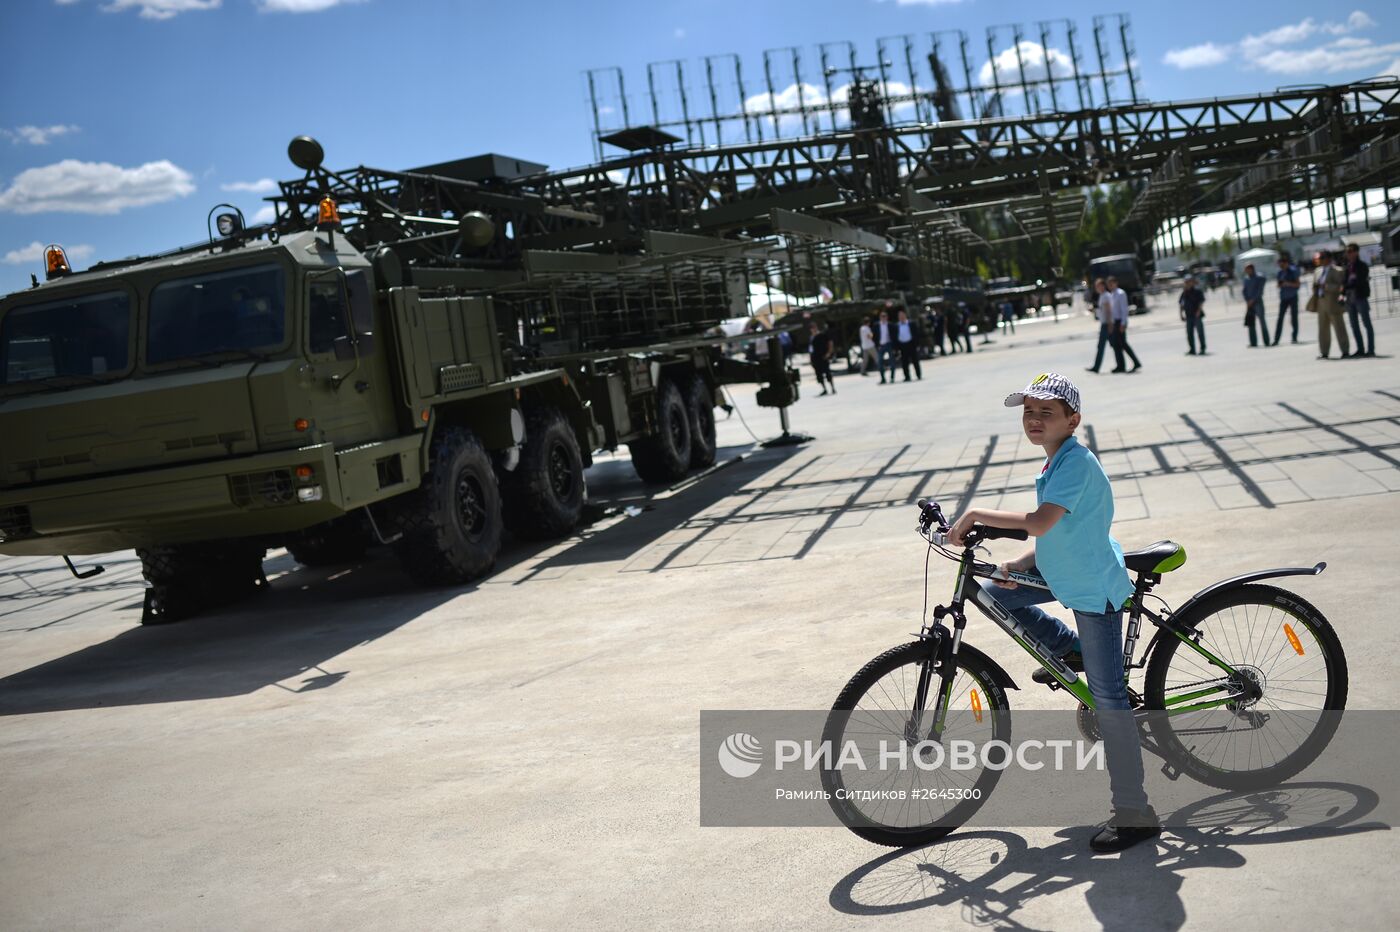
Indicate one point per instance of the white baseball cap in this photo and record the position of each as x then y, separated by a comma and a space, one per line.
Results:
1047, 385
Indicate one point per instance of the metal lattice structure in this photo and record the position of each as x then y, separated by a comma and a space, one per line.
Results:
668, 239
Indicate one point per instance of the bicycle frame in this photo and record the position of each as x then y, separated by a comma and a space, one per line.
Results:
967, 589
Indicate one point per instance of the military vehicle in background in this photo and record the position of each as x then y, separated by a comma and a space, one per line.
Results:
1127, 267
373, 364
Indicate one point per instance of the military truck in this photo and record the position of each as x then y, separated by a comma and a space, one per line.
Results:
312, 383
1127, 268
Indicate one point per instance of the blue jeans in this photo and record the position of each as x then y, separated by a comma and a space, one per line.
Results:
1287, 302
885, 357
1104, 331
1359, 310
1100, 641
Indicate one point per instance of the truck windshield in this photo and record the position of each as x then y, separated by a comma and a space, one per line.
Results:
220, 312
82, 337
1125, 270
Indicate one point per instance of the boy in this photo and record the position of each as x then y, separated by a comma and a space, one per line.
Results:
1084, 567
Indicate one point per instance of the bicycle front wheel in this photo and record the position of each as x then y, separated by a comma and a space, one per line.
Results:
1292, 678
922, 797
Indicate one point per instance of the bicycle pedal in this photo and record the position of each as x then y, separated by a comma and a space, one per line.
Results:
1170, 772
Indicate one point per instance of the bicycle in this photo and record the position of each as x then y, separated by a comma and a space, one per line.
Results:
1252, 651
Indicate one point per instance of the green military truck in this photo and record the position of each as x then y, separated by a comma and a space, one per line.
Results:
299, 385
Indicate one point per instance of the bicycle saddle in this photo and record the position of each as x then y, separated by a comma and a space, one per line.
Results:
1161, 557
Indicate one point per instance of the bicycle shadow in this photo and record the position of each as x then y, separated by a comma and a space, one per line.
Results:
991, 875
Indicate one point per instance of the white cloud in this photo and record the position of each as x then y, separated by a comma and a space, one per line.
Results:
261, 186
34, 253
1330, 58
1033, 58
1296, 48
1393, 69
300, 6
265, 214
38, 135
1198, 56
161, 9
94, 187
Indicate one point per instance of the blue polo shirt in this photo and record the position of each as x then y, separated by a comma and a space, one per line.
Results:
1078, 558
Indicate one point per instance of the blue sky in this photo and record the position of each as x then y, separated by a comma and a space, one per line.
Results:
124, 121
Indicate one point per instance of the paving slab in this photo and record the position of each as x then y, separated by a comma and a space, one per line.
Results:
351, 752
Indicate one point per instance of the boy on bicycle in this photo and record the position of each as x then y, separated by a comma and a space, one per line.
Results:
1084, 567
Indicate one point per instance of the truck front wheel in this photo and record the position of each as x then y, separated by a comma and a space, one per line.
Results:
544, 493
185, 579
451, 524
665, 455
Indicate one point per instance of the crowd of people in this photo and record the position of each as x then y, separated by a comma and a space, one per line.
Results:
1340, 293
893, 341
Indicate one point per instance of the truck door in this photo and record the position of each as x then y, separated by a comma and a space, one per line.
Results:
350, 394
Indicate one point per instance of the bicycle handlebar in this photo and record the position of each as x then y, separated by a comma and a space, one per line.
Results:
930, 514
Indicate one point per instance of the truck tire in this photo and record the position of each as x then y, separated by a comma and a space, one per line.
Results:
186, 579
451, 524
700, 405
340, 540
544, 494
665, 455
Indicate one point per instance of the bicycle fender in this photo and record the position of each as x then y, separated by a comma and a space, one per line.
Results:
999, 676
1236, 581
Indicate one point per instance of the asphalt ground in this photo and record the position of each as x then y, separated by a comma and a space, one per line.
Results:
347, 751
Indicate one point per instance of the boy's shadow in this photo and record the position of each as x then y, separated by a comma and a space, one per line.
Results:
990, 875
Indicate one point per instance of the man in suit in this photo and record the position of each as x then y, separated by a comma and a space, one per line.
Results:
1328, 283
885, 345
1357, 288
908, 335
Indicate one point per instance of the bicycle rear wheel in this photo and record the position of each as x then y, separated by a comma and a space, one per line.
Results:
913, 805
1290, 662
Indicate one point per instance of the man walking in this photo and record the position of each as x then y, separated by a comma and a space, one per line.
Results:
1192, 304
1103, 310
907, 334
1254, 306
884, 346
936, 323
1358, 296
868, 355
819, 350
1326, 300
1289, 278
1118, 304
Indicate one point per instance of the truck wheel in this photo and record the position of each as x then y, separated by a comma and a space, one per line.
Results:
340, 540
451, 524
665, 455
545, 492
186, 579
700, 405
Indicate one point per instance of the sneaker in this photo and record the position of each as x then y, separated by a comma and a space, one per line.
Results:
1090, 369
1136, 367
1117, 370
1190, 352
1125, 828
1074, 660
823, 393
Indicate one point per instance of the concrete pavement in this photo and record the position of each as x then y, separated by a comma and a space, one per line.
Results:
351, 752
